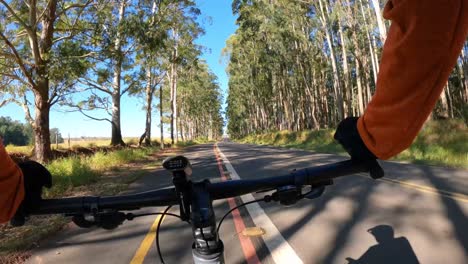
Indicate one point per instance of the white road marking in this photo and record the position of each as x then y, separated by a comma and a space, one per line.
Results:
280, 250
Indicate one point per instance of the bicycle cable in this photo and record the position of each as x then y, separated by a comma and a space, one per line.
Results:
130, 215
158, 248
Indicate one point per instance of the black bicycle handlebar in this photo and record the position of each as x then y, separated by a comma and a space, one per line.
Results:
220, 190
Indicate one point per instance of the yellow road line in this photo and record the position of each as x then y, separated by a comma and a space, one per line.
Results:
452, 195
146, 243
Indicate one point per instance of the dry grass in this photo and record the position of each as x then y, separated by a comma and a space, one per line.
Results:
443, 143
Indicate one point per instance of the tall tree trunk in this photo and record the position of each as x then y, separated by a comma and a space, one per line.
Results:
181, 128
173, 84
346, 92
42, 149
380, 23
149, 91
444, 112
336, 73
40, 49
359, 87
116, 138
369, 41
464, 72
449, 99
161, 122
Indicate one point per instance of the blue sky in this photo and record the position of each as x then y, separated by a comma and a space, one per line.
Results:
219, 23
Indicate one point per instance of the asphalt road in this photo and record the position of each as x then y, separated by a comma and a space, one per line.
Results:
425, 207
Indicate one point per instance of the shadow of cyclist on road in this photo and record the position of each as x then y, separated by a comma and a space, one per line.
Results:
388, 250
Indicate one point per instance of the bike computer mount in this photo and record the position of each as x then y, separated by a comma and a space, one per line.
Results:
181, 173
196, 206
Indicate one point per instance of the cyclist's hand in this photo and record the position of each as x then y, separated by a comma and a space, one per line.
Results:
35, 176
348, 136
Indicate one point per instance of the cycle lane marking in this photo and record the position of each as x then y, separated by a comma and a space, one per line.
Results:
280, 250
145, 245
247, 246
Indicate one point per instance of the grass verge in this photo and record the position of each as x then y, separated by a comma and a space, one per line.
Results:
99, 174
442, 143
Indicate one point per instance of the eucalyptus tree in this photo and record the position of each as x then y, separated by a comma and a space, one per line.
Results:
41, 57
307, 64
152, 37
183, 30
112, 74
200, 103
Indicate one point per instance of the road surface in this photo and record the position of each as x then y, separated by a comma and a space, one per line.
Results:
424, 207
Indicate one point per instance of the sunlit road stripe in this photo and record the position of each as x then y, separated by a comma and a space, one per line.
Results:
281, 251
146, 243
452, 195
247, 246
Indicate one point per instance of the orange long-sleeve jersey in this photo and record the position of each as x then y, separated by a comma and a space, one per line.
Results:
11, 186
422, 47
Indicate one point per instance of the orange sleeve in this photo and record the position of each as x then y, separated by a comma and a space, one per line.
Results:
11, 186
422, 47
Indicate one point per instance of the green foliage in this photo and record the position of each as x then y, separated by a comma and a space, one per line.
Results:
15, 133
103, 161
69, 173
440, 143
75, 171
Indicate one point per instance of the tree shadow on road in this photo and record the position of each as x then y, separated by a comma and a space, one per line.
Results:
388, 249
452, 209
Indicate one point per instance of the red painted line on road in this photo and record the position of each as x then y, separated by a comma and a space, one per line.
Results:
248, 248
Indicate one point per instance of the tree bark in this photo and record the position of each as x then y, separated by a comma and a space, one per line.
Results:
336, 73
173, 84
39, 49
346, 92
161, 123
42, 149
149, 91
464, 72
444, 106
380, 23
359, 88
116, 138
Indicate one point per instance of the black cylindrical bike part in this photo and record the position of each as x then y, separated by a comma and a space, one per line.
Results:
220, 190
214, 257
93, 204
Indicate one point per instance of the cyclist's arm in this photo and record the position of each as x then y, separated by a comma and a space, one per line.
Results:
11, 186
422, 47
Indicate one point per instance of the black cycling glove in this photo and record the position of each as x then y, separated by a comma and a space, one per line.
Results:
35, 177
348, 136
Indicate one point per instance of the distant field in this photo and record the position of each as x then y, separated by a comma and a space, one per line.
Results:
74, 143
